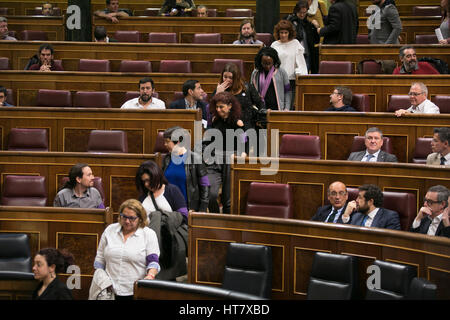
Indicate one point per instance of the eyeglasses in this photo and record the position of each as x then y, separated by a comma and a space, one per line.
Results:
430, 202
341, 193
132, 219
415, 94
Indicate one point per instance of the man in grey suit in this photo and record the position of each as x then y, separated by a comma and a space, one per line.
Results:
366, 210
373, 153
440, 145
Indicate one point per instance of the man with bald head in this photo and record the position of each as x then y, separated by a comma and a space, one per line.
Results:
338, 196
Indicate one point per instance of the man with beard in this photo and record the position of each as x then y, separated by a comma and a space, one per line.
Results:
366, 210
306, 34
4, 32
340, 99
46, 62
338, 196
145, 100
410, 65
432, 219
247, 34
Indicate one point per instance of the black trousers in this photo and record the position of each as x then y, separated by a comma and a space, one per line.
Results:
219, 175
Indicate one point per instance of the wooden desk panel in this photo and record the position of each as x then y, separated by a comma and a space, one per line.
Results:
77, 230
25, 84
117, 171
201, 56
410, 27
69, 128
295, 242
313, 91
336, 130
184, 27
311, 178
53, 26
405, 7
359, 52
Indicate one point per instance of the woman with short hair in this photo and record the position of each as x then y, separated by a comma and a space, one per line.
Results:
128, 250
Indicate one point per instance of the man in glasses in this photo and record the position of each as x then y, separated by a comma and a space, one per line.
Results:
337, 196
440, 145
432, 219
410, 65
79, 191
341, 99
418, 94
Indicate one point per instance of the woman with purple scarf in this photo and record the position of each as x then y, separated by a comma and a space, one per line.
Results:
271, 81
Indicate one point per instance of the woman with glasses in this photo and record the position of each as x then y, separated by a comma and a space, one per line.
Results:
128, 250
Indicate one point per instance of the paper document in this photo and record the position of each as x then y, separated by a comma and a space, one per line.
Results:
438, 34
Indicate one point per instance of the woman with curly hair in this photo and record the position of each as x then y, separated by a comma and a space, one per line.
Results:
47, 263
226, 113
290, 52
271, 81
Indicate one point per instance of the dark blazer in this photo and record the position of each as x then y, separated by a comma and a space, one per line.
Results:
56, 290
181, 104
382, 157
341, 24
425, 223
384, 218
323, 212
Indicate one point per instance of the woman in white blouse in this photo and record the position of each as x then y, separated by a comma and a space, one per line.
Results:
290, 52
128, 250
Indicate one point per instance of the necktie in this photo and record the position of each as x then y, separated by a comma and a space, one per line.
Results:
364, 221
332, 216
442, 160
369, 156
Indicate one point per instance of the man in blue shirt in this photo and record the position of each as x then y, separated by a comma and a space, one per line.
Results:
340, 99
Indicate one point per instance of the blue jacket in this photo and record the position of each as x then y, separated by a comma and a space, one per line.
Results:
181, 104
384, 218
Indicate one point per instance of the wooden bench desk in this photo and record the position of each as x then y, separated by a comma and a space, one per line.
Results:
77, 230
337, 129
294, 243
313, 91
70, 52
311, 178
25, 84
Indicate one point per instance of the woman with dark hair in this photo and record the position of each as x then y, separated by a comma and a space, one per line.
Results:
290, 52
306, 34
445, 22
249, 100
226, 112
128, 250
47, 263
271, 81
186, 169
150, 179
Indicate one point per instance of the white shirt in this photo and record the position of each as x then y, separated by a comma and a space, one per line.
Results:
291, 57
161, 201
425, 107
433, 226
369, 219
134, 104
373, 159
126, 262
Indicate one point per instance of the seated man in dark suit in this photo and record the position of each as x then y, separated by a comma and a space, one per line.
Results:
338, 196
432, 219
340, 99
366, 210
193, 95
373, 152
